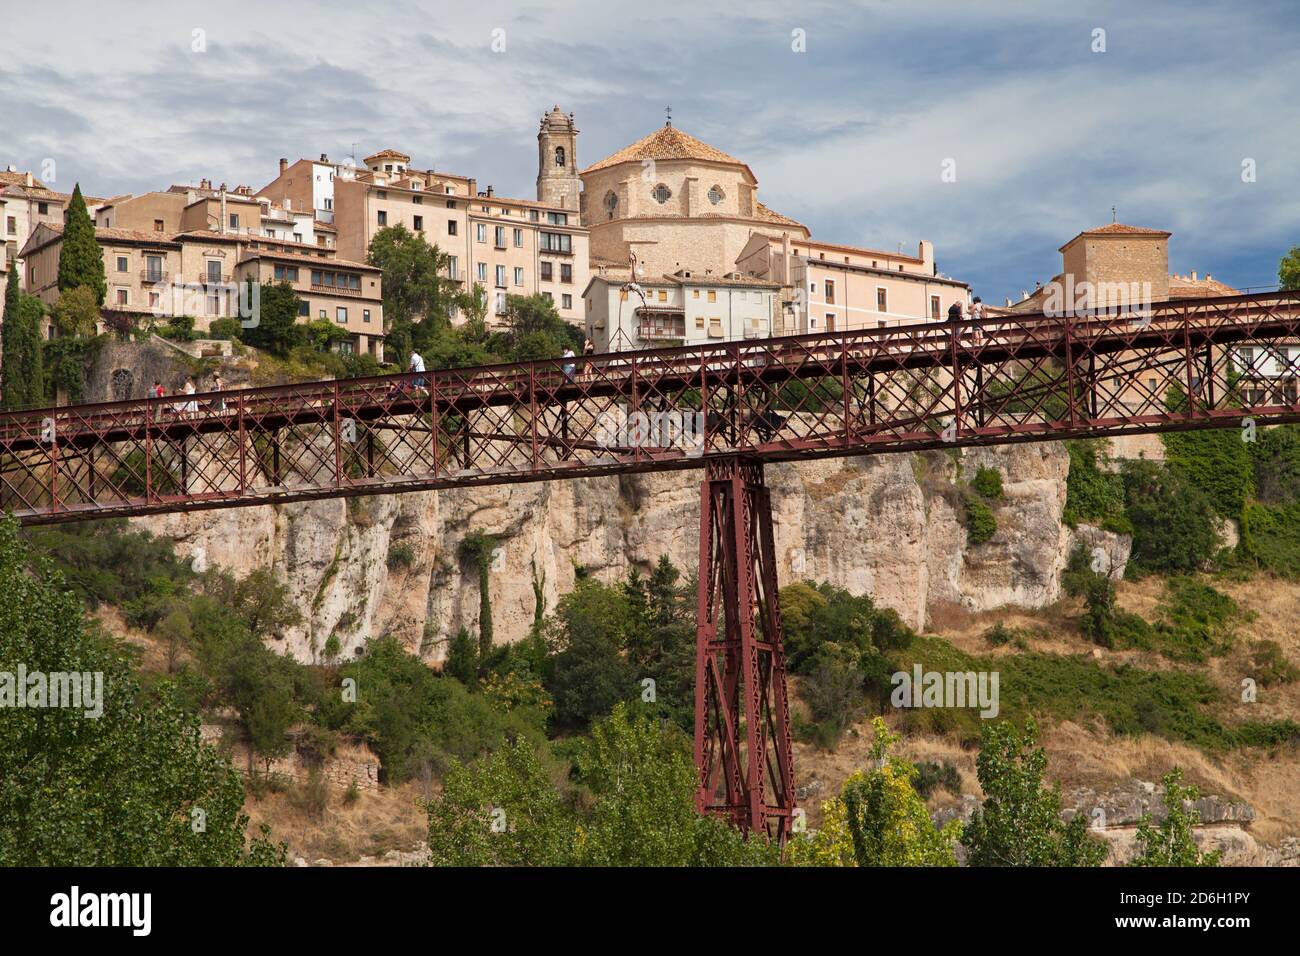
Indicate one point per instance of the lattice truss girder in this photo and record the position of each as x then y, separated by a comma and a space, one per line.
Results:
742, 727
1181, 364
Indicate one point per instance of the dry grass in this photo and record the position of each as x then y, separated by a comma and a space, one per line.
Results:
376, 822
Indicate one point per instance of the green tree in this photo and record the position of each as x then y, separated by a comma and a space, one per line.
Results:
643, 779
126, 788
1019, 823
277, 329
477, 548
534, 330
1173, 520
30, 357
13, 384
418, 294
81, 261
588, 675
76, 312
1288, 270
462, 659
1171, 843
500, 810
887, 820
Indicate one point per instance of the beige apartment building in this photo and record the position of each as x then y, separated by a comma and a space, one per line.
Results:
507, 246
28, 203
830, 287
684, 308
159, 274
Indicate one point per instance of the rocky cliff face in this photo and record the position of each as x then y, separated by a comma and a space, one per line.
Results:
888, 525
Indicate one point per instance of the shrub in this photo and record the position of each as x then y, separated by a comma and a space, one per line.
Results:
1173, 520
227, 328
988, 482
981, 525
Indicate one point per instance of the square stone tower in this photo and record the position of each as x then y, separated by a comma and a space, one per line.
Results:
558, 183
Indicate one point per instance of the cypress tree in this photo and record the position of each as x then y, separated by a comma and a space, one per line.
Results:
13, 386
80, 260
31, 312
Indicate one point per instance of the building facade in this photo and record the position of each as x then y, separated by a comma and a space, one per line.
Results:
683, 308
507, 246
829, 287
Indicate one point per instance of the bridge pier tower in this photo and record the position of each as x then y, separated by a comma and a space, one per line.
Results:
742, 721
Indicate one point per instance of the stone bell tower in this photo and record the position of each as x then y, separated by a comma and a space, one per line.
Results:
558, 183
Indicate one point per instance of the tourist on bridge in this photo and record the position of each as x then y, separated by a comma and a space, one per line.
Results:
416, 364
218, 403
568, 365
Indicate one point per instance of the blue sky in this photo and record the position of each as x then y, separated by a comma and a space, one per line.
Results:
849, 137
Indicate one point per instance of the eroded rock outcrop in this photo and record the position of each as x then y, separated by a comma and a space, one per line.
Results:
888, 525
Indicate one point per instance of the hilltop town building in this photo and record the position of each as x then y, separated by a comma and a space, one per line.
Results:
683, 308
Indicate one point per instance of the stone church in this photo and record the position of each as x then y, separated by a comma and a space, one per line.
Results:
674, 201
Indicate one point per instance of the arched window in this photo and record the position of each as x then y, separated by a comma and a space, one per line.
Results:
716, 195
559, 156
661, 194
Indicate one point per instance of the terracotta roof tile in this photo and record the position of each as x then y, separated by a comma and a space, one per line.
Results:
667, 142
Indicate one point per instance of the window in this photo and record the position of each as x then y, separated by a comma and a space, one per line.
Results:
716, 194
122, 264
383, 194
699, 322
501, 277
519, 276
480, 231
418, 200
548, 297
214, 303
713, 295
43, 208
419, 224
482, 272
661, 194
566, 301
934, 307
290, 274
383, 217
451, 267
324, 315
214, 270
663, 295
158, 225
519, 238
715, 327
556, 242
122, 297
499, 237
304, 309
882, 301
153, 268
532, 215
695, 293
329, 203
12, 224
611, 203
451, 227
557, 218
234, 220
830, 291
566, 272
501, 303
155, 300
546, 271
559, 156
365, 315
341, 315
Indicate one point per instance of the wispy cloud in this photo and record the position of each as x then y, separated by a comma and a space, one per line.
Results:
848, 137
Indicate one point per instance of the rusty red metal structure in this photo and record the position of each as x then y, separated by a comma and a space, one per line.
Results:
727, 407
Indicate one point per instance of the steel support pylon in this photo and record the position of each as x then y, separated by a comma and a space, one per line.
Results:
742, 726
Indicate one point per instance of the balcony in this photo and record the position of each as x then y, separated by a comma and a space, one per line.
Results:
335, 290
214, 278
153, 276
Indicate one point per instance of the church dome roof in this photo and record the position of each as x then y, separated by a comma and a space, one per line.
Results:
667, 142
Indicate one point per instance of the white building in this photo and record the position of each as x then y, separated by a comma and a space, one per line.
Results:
684, 308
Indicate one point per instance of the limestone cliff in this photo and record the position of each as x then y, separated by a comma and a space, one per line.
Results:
888, 525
